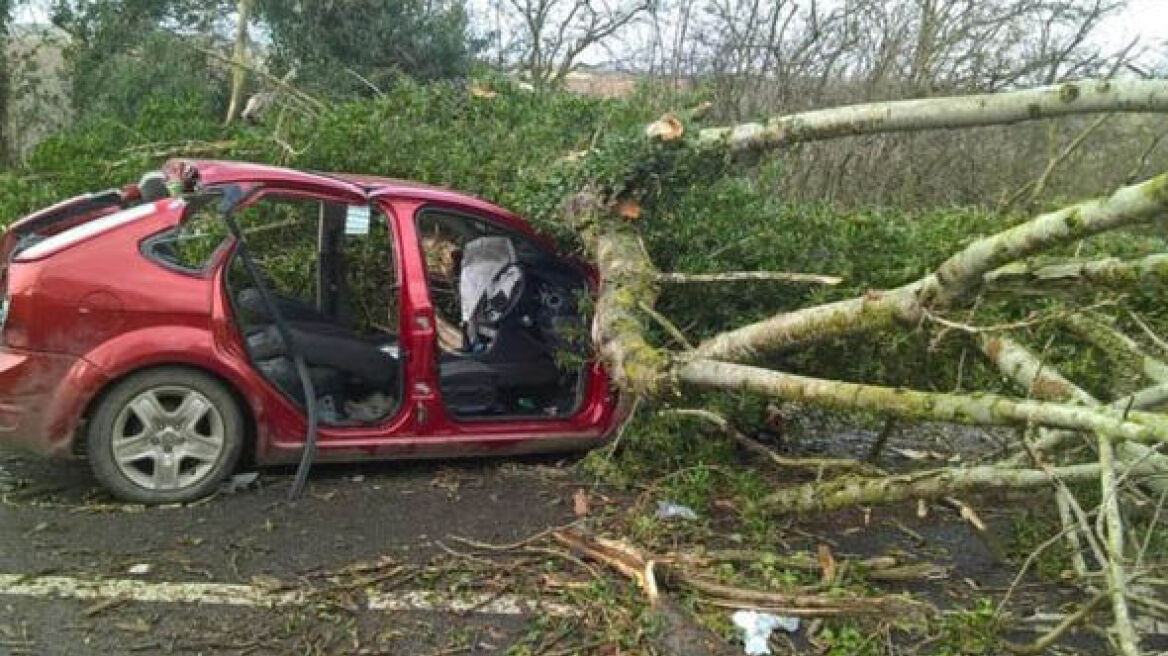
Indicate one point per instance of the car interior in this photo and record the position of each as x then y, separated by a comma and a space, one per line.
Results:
328, 267
509, 313
512, 317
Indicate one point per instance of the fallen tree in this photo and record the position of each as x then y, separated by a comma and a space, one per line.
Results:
1010, 299
1125, 437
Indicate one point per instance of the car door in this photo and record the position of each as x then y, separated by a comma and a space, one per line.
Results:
332, 264
540, 397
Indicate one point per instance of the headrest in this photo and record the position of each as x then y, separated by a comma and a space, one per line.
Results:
152, 187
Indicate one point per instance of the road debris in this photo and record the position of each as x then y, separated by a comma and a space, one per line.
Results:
667, 510
240, 483
757, 628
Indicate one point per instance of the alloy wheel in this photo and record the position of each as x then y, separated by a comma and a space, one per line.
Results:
168, 438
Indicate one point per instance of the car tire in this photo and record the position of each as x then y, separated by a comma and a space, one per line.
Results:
167, 435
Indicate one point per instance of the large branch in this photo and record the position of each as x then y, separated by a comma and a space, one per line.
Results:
953, 281
847, 491
1042, 381
979, 409
1085, 97
1109, 273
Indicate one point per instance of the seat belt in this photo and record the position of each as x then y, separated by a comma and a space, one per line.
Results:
309, 452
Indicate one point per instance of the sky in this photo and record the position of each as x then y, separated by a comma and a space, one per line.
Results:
1145, 19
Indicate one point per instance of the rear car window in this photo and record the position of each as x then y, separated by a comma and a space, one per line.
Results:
191, 244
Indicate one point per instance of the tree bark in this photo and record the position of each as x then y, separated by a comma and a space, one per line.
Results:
848, 491
239, 54
979, 409
1084, 97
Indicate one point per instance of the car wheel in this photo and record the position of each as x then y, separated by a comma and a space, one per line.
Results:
165, 436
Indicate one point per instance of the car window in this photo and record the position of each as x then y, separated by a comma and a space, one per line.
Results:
281, 235
443, 235
286, 235
193, 242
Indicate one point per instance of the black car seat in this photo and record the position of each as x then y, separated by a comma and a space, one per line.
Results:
322, 344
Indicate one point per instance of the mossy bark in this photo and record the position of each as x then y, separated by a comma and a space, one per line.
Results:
1083, 97
1043, 382
628, 281
848, 491
980, 409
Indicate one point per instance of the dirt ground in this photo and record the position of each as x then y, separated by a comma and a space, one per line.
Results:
385, 519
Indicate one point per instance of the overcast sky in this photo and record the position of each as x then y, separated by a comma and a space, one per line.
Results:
1146, 19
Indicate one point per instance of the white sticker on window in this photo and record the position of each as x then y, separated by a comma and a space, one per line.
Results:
357, 220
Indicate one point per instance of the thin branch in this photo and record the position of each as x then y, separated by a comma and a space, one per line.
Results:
747, 276
1042, 643
1039, 185
668, 325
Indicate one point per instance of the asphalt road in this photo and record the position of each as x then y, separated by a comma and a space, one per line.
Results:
206, 578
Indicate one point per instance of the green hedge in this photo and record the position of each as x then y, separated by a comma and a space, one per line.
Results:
702, 213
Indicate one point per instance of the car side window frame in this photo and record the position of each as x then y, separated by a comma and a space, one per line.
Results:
148, 245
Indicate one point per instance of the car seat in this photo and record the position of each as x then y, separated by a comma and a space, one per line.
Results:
322, 343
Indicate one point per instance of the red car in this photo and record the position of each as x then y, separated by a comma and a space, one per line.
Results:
219, 310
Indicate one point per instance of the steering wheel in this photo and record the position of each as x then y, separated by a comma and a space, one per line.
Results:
492, 314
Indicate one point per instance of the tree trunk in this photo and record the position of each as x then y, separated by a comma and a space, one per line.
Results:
239, 56
1084, 97
5, 80
980, 409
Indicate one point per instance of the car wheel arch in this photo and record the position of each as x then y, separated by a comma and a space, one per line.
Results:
245, 407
